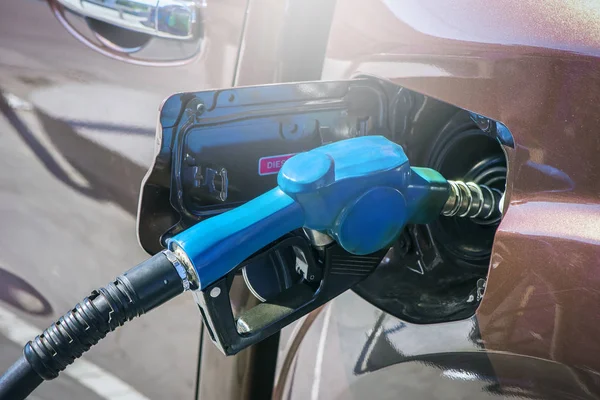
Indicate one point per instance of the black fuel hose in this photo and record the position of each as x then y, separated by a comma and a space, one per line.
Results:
137, 291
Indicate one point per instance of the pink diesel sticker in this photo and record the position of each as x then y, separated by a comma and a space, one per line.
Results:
272, 164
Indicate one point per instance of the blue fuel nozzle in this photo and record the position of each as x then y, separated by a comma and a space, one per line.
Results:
361, 192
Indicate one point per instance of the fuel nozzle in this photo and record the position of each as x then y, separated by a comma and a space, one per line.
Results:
359, 192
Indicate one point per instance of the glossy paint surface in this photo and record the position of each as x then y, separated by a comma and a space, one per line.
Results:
533, 66
77, 135
353, 351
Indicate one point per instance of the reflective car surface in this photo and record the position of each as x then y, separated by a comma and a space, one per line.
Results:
533, 336
457, 312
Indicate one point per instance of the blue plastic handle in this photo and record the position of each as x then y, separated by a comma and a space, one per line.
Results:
359, 191
216, 245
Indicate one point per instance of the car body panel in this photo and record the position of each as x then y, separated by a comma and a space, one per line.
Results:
534, 67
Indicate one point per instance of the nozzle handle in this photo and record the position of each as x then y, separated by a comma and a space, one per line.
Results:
216, 245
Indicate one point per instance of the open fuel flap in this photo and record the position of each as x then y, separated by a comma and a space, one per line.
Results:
219, 149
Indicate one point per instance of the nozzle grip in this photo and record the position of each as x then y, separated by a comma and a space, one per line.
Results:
341, 271
218, 244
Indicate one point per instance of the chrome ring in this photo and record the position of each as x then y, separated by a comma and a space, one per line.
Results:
477, 189
179, 268
493, 201
468, 196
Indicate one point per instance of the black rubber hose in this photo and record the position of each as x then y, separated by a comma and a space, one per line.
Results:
19, 381
132, 294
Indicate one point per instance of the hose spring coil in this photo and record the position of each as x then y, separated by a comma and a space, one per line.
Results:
468, 199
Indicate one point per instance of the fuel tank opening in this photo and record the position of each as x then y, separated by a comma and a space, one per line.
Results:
461, 151
437, 272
